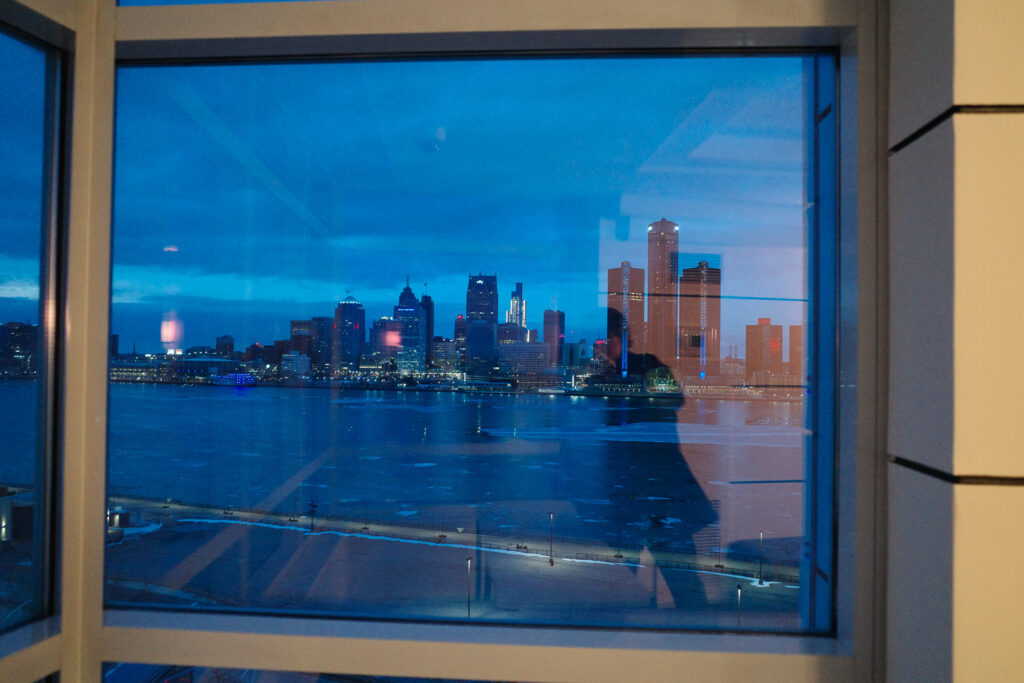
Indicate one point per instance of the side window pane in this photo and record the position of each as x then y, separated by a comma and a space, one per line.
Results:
498, 340
25, 119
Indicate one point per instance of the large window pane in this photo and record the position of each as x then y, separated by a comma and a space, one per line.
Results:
505, 340
26, 113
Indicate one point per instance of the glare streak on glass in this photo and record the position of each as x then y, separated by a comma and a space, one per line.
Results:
23, 150
492, 340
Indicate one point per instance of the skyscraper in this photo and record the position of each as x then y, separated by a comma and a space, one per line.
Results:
700, 321
663, 290
516, 313
225, 345
320, 340
625, 314
764, 352
427, 306
412, 355
482, 299
348, 335
301, 336
554, 335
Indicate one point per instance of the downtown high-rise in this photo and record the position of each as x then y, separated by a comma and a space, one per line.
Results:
625, 314
700, 321
663, 291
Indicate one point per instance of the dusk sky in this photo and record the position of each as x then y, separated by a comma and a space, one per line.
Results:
250, 195
22, 82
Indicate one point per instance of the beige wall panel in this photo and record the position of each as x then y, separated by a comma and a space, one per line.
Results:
988, 600
989, 246
351, 17
921, 64
64, 12
989, 52
921, 297
920, 600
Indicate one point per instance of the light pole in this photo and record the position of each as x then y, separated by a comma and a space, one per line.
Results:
551, 539
312, 515
760, 560
469, 579
739, 602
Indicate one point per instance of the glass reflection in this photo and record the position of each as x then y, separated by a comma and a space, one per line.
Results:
25, 121
497, 340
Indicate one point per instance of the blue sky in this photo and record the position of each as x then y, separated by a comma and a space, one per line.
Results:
250, 195
22, 82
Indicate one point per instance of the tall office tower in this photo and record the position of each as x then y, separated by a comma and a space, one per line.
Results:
481, 351
510, 332
796, 351
302, 336
412, 353
386, 337
115, 346
764, 353
554, 336
516, 313
625, 314
320, 340
348, 335
427, 306
700, 321
482, 299
225, 345
663, 291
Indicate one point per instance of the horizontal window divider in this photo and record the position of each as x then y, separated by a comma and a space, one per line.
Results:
523, 43
31, 652
486, 652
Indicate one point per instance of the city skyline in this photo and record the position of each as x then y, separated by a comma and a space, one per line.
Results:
250, 195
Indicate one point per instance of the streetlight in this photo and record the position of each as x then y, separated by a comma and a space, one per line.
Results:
760, 560
739, 601
469, 563
551, 539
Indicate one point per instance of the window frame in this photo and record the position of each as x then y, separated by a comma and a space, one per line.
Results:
34, 642
297, 29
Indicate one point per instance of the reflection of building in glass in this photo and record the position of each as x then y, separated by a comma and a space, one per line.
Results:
516, 313
625, 314
700, 320
764, 352
412, 352
662, 290
348, 335
482, 299
554, 335
796, 352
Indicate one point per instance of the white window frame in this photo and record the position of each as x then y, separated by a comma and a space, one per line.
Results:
89, 635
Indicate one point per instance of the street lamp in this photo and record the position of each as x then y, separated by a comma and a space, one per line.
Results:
739, 601
551, 539
469, 563
760, 560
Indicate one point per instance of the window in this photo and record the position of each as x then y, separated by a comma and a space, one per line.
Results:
93, 633
28, 154
497, 340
